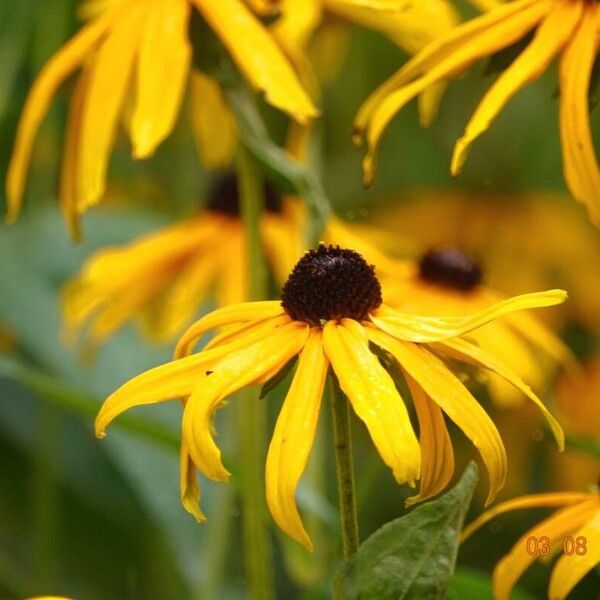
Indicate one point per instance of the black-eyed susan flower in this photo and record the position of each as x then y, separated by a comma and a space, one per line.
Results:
134, 57
331, 315
447, 281
561, 27
573, 532
163, 277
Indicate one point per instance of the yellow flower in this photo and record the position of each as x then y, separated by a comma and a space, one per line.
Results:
561, 26
450, 282
164, 276
574, 531
135, 61
331, 314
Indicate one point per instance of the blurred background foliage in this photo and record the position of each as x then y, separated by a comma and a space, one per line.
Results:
93, 520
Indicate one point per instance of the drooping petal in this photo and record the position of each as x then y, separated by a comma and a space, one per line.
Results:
446, 390
374, 398
430, 329
233, 332
293, 438
109, 81
437, 455
188, 483
258, 56
551, 499
236, 370
514, 564
162, 70
58, 68
554, 31
236, 313
463, 350
570, 569
579, 159
172, 380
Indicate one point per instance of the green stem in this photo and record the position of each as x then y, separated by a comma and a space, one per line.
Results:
340, 412
252, 413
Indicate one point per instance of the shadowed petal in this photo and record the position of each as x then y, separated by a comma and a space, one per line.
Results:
190, 490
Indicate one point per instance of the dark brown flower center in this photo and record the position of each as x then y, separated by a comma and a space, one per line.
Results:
224, 196
451, 268
331, 283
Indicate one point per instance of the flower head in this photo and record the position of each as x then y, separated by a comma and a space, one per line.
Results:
574, 530
163, 277
331, 317
127, 53
565, 27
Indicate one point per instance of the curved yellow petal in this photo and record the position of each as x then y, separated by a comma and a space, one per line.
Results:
235, 313
579, 159
552, 34
162, 70
188, 483
437, 455
112, 67
464, 350
213, 125
234, 332
570, 569
445, 389
58, 68
174, 379
431, 329
374, 398
551, 499
258, 56
514, 564
236, 370
293, 438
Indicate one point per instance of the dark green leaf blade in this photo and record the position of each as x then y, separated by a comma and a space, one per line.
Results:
413, 556
467, 583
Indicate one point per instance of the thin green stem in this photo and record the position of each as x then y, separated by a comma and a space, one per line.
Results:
252, 413
340, 412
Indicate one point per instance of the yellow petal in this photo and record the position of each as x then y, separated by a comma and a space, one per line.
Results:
579, 159
190, 490
233, 332
484, 5
374, 398
551, 499
236, 313
58, 68
258, 56
293, 438
264, 7
298, 21
554, 31
162, 71
513, 565
569, 570
430, 329
445, 389
111, 71
437, 455
213, 125
232, 284
174, 379
463, 350
236, 370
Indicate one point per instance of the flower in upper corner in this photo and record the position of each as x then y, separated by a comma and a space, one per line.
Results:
331, 315
574, 531
135, 58
448, 281
565, 27
163, 277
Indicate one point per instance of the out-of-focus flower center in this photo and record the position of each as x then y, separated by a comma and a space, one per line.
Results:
224, 197
331, 283
451, 268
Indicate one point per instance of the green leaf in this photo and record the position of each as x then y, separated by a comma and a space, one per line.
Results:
413, 556
470, 584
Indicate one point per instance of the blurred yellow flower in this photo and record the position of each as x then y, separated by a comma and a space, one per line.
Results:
561, 26
574, 530
135, 62
331, 312
163, 277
